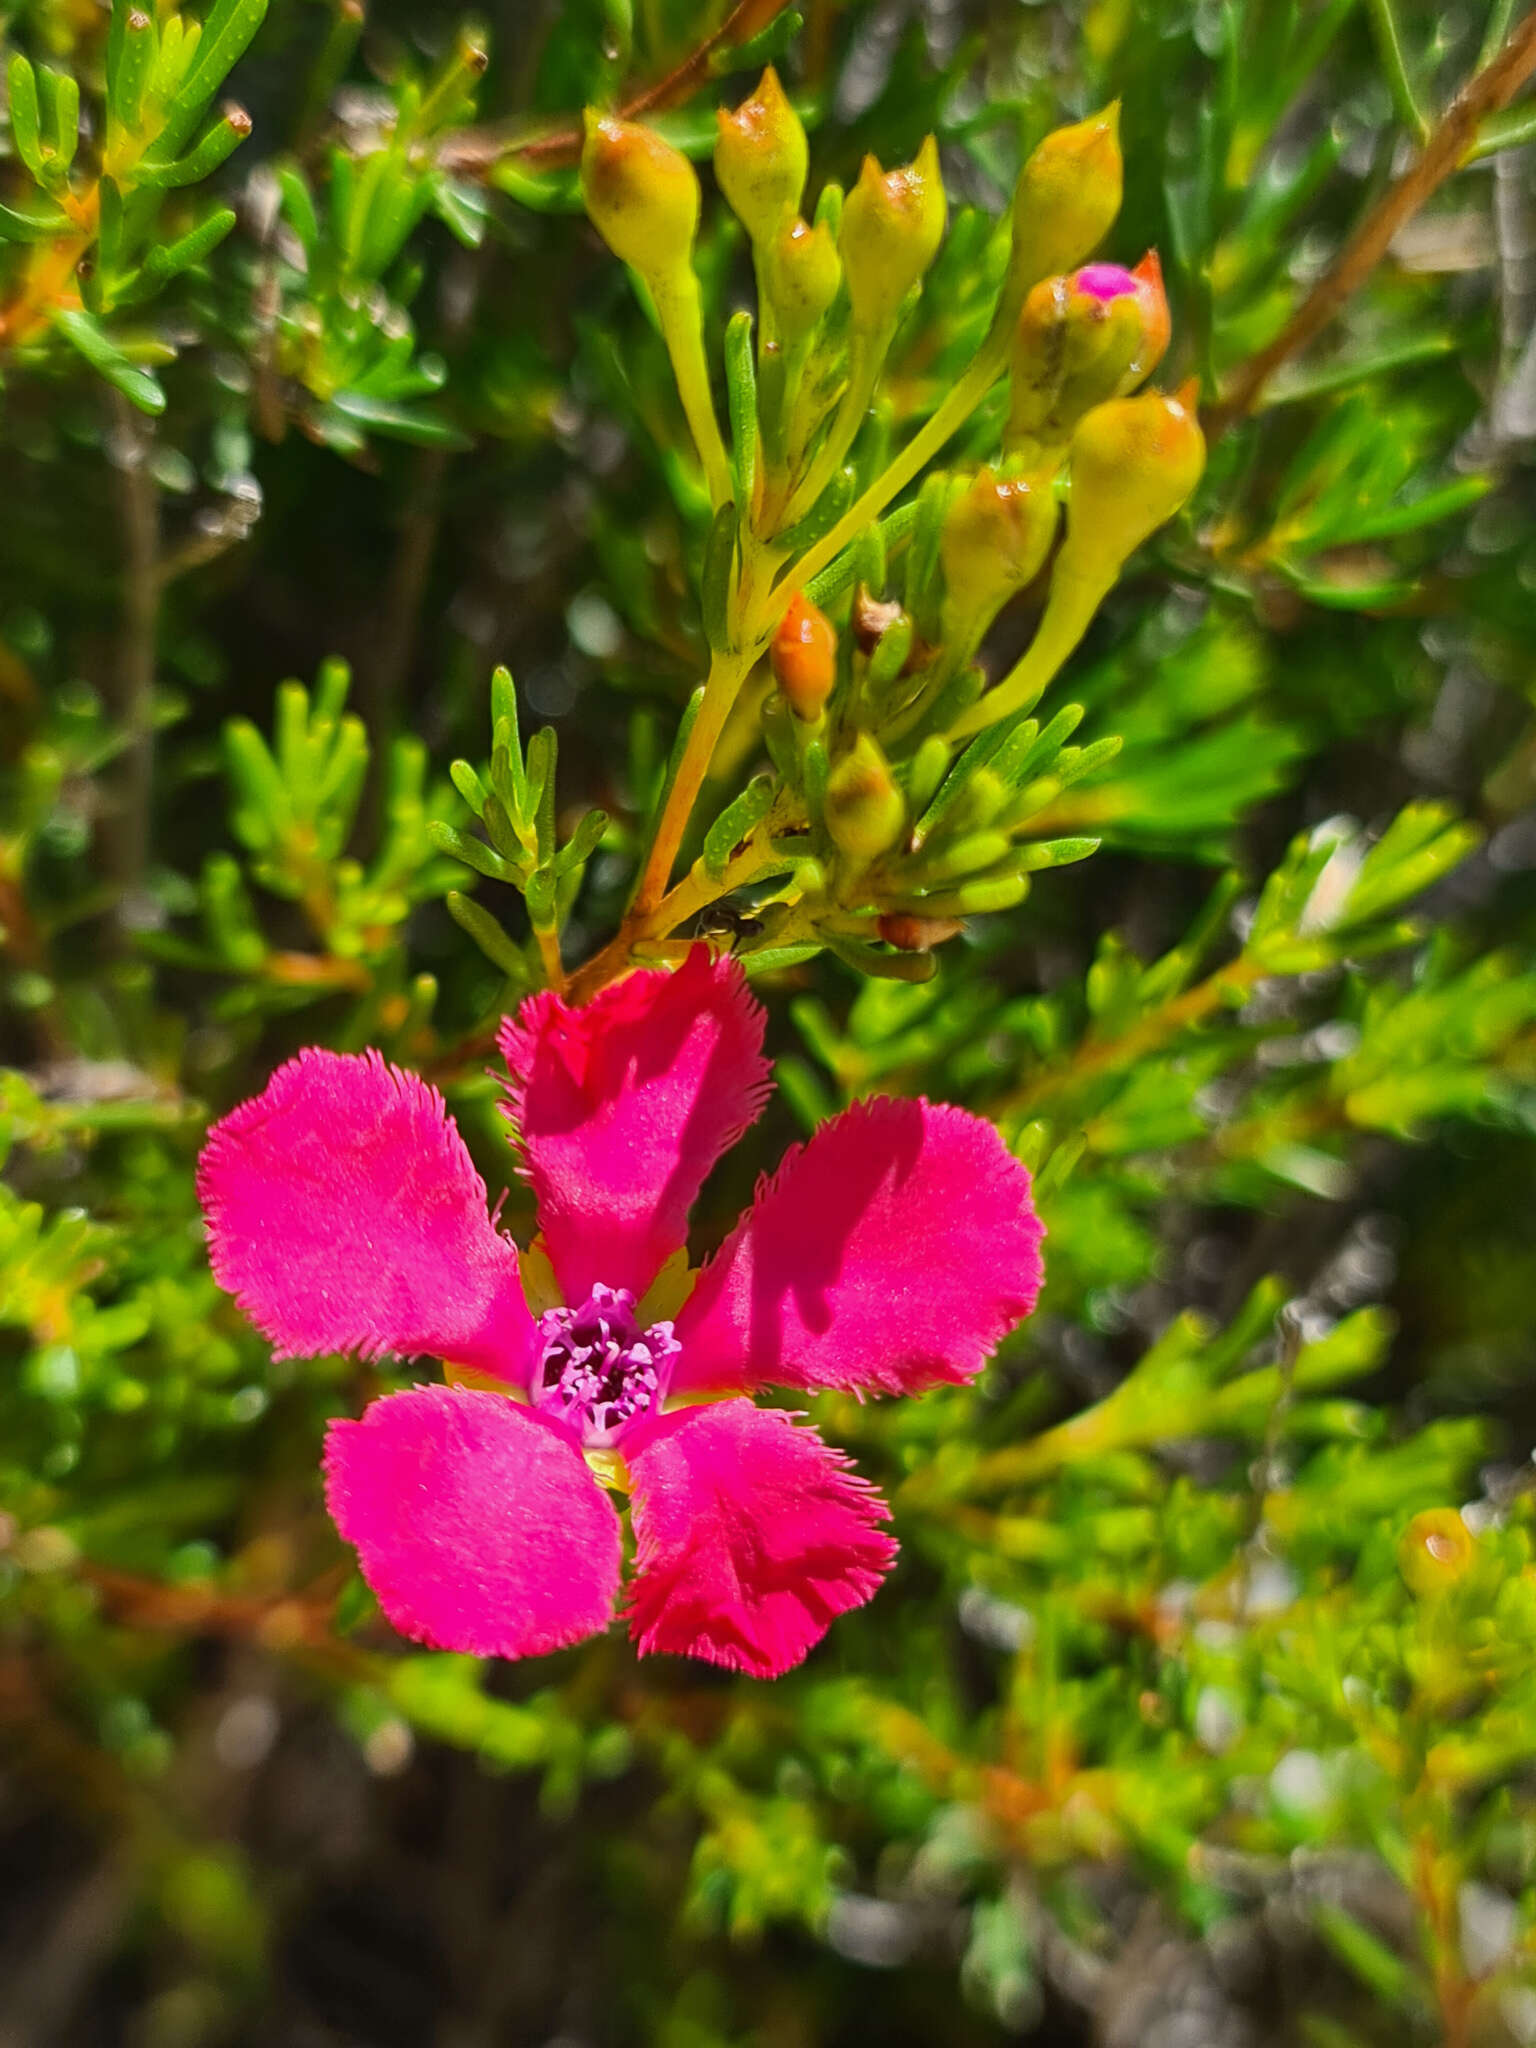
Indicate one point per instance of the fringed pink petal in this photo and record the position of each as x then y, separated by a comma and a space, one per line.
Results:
751, 1537
889, 1255
479, 1527
344, 1214
623, 1107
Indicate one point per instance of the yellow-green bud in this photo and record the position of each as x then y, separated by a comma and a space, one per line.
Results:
642, 194
1066, 199
1436, 1549
802, 274
995, 540
1134, 462
761, 159
864, 811
893, 223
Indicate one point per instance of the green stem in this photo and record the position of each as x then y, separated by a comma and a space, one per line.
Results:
1509, 130
867, 354
1399, 78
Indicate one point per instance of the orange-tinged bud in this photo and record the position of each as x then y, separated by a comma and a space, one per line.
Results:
995, 540
1134, 462
893, 223
1436, 1550
909, 934
804, 657
802, 274
1066, 199
864, 809
761, 159
1157, 321
642, 194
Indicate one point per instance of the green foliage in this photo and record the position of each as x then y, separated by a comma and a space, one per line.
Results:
1191, 846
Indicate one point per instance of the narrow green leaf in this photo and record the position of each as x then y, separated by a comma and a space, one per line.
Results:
33, 223
741, 398
219, 140
131, 58
26, 133
405, 423
168, 259
86, 334
227, 32
488, 935
474, 853
715, 581
583, 842
60, 109
735, 822
299, 208
468, 784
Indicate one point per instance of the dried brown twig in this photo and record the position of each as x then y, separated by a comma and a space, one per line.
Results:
473, 151
1449, 145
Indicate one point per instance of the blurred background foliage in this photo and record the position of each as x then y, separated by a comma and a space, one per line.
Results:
1202, 1708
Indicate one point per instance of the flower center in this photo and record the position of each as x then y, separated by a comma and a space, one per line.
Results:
599, 1368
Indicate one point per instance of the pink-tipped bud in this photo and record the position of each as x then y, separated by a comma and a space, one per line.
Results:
1066, 199
1134, 463
893, 223
864, 809
803, 656
801, 276
761, 159
1081, 339
641, 194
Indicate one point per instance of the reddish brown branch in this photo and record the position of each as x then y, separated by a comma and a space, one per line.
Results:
286, 1622
473, 151
1445, 152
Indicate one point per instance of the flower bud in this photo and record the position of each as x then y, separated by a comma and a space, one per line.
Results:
996, 537
1436, 1550
893, 223
1066, 199
642, 194
909, 933
1157, 321
872, 618
803, 656
864, 810
1112, 290
1080, 340
801, 275
1134, 462
761, 159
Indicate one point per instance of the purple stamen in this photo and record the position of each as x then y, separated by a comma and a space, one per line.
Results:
598, 1368
1104, 281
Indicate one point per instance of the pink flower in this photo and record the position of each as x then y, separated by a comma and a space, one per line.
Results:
889, 1255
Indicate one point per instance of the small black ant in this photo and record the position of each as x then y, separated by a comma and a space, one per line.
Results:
725, 925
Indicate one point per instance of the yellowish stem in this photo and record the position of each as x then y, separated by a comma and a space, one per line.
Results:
726, 674
682, 326
1069, 612
947, 419
549, 955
